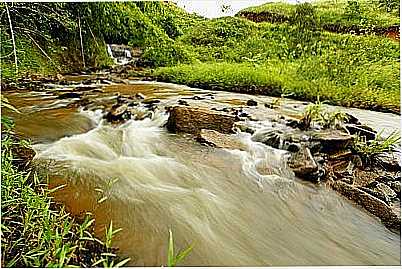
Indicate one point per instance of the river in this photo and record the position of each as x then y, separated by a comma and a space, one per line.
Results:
222, 201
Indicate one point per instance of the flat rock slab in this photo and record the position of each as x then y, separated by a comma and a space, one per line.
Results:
193, 119
372, 204
219, 140
332, 140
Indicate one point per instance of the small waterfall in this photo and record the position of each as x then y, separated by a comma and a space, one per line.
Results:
120, 54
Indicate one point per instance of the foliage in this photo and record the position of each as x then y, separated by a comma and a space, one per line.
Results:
369, 150
315, 112
167, 54
37, 232
342, 13
305, 17
173, 259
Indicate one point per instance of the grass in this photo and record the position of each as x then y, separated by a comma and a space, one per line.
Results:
276, 78
36, 231
369, 150
364, 14
173, 259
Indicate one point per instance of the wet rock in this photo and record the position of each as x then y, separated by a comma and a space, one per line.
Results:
140, 96
217, 139
193, 119
352, 119
302, 163
141, 115
151, 101
118, 113
270, 138
293, 147
69, 95
385, 178
370, 203
332, 141
86, 88
251, 102
132, 104
381, 191
361, 130
245, 128
396, 187
182, 102
270, 106
389, 161
293, 123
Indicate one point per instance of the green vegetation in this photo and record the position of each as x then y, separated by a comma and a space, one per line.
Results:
370, 150
66, 37
36, 231
316, 113
173, 259
343, 14
297, 58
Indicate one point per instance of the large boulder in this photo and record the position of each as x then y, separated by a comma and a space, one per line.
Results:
193, 119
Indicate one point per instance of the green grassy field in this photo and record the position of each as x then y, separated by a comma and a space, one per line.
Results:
364, 14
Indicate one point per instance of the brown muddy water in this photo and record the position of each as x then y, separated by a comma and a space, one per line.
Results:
238, 207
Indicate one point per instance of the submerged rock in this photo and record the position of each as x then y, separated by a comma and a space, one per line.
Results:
69, 95
217, 139
192, 120
140, 96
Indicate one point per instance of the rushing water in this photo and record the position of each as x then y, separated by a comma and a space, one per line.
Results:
238, 207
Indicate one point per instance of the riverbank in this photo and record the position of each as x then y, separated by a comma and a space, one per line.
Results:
278, 79
36, 230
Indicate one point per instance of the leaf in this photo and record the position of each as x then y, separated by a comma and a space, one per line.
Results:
183, 254
171, 258
123, 262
